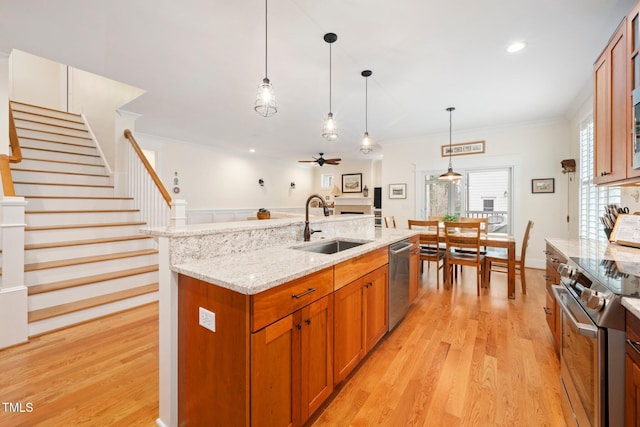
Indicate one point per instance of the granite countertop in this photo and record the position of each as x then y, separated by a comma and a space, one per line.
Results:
600, 249
255, 271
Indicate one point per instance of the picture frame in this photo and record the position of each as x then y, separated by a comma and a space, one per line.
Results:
397, 191
475, 147
352, 183
543, 185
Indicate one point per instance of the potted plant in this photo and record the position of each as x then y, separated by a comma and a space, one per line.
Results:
264, 213
450, 218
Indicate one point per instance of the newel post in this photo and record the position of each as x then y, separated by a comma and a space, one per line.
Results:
178, 216
13, 292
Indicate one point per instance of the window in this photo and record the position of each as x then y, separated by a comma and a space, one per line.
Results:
487, 205
593, 199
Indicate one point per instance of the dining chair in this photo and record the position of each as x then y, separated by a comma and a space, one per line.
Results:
484, 229
462, 241
435, 218
390, 221
430, 249
497, 260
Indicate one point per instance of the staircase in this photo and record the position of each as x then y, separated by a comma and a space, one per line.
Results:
84, 256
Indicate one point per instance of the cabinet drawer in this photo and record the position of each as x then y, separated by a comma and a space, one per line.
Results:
633, 327
348, 271
275, 303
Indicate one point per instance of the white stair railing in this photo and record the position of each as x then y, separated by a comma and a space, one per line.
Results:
145, 187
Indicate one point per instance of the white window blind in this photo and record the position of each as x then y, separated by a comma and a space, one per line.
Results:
593, 199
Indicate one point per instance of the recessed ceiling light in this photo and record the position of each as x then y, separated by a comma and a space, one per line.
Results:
516, 47
251, 150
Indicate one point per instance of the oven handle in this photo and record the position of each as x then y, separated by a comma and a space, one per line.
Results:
584, 329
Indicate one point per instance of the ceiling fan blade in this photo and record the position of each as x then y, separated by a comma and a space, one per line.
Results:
308, 161
333, 160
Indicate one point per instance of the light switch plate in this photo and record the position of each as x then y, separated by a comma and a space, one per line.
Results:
207, 319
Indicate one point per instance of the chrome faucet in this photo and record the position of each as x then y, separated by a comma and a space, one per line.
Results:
307, 231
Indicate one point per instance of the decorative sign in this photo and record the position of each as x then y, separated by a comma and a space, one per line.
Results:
544, 185
627, 230
397, 191
475, 147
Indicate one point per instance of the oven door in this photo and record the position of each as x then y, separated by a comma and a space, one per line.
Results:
581, 363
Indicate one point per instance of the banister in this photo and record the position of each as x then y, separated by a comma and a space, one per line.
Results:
16, 153
5, 173
145, 162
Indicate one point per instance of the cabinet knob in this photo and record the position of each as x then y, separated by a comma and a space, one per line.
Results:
308, 321
299, 325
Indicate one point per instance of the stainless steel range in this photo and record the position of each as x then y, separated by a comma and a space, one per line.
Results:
593, 338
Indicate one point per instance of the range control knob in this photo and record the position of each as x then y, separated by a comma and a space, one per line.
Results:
593, 300
564, 270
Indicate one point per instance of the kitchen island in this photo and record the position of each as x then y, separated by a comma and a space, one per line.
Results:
241, 262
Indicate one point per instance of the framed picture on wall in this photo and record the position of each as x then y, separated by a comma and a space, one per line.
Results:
397, 191
544, 185
352, 183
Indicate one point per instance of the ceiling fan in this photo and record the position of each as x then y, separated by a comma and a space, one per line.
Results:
321, 160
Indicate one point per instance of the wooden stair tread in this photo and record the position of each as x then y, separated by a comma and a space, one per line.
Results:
40, 122
49, 150
79, 197
75, 120
81, 281
41, 108
71, 226
66, 135
81, 211
53, 141
62, 161
63, 185
85, 242
86, 260
71, 307
59, 172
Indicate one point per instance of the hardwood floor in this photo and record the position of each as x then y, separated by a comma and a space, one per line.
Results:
99, 373
455, 360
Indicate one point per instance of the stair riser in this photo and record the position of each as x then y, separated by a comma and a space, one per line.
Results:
69, 252
53, 121
35, 220
62, 167
39, 204
50, 236
59, 178
17, 107
82, 270
29, 134
48, 145
61, 157
46, 325
24, 126
77, 293
62, 190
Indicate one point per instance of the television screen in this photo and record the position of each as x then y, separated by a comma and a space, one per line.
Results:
377, 197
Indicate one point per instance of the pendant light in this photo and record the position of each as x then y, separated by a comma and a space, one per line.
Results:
450, 175
330, 130
365, 144
266, 100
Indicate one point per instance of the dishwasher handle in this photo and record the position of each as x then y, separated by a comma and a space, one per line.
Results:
399, 248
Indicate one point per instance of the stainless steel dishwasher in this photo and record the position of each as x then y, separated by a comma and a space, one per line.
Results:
398, 281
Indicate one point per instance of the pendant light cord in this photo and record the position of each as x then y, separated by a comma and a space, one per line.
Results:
266, 44
366, 104
450, 139
330, 77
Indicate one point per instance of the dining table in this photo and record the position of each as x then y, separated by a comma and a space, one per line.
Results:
495, 240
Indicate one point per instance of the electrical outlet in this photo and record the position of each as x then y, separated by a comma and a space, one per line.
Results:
207, 319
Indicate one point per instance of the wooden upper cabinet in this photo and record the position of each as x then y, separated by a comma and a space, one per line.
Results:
612, 102
633, 79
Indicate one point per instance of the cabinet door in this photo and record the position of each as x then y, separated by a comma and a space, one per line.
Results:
376, 306
349, 344
317, 355
275, 373
632, 392
612, 110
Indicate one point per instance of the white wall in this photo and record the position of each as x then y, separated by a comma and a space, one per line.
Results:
211, 178
369, 169
38, 81
4, 103
533, 150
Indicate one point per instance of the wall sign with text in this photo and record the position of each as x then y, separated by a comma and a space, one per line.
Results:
476, 147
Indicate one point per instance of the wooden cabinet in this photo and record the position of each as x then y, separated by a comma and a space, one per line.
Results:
361, 320
612, 110
633, 79
552, 277
632, 371
414, 268
291, 369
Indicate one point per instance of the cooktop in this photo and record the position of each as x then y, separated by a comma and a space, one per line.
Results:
620, 277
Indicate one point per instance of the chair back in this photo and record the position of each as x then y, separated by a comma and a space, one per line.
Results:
525, 242
435, 218
390, 221
431, 236
462, 235
484, 223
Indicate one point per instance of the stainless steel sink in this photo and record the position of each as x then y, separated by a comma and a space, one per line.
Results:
330, 246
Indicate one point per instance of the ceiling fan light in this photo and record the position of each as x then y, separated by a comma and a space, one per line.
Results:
266, 101
330, 129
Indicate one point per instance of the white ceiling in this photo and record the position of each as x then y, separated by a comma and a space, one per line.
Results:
201, 61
